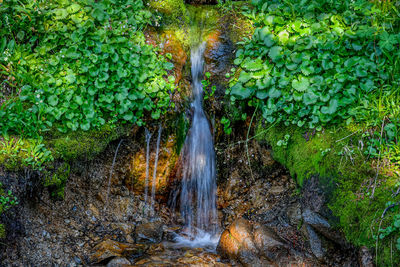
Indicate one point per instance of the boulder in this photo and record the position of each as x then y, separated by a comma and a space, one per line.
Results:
118, 262
268, 242
151, 232
110, 249
251, 244
315, 243
322, 226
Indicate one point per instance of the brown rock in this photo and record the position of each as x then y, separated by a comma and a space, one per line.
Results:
149, 232
136, 179
118, 262
110, 249
268, 242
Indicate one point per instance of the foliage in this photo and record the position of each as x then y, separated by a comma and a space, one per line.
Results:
16, 153
208, 91
89, 65
307, 67
56, 181
7, 200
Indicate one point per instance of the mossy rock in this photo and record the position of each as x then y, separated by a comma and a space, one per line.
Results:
346, 176
173, 10
84, 145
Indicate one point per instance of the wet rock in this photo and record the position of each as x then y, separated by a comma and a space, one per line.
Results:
236, 242
315, 220
365, 257
251, 244
315, 243
149, 232
118, 262
294, 213
268, 242
136, 178
110, 249
321, 225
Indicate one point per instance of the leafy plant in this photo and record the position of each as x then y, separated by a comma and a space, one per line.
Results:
310, 69
90, 65
208, 91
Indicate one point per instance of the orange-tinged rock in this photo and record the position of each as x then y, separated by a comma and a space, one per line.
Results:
213, 41
109, 249
136, 179
179, 57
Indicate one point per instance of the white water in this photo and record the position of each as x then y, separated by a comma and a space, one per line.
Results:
146, 185
198, 186
154, 181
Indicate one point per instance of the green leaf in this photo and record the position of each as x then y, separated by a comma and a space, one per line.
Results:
275, 53
241, 92
301, 84
262, 94
85, 125
98, 14
331, 109
309, 98
53, 100
269, 40
73, 8
71, 78
253, 65
244, 77
78, 100
283, 37
60, 13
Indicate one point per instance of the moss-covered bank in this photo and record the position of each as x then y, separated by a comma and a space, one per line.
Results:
347, 176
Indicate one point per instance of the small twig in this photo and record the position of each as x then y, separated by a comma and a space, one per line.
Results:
247, 143
379, 158
255, 136
347, 136
380, 223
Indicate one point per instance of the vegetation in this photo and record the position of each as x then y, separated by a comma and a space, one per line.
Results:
323, 76
320, 77
7, 200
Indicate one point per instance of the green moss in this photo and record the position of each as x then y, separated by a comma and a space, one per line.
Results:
182, 126
174, 10
57, 180
83, 145
347, 177
2, 231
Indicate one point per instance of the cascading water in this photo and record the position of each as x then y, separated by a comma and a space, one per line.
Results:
146, 186
198, 186
153, 183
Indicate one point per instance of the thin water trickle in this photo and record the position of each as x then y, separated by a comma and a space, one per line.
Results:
146, 185
111, 172
153, 188
198, 186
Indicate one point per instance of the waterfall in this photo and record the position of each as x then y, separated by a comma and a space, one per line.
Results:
146, 186
153, 183
198, 185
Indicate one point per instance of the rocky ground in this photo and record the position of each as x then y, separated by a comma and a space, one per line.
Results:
267, 221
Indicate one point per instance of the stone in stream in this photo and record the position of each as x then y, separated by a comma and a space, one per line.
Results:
117, 262
110, 249
251, 244
150, 232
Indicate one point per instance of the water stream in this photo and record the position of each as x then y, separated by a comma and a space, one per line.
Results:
146, 186
198, 185
154, 181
